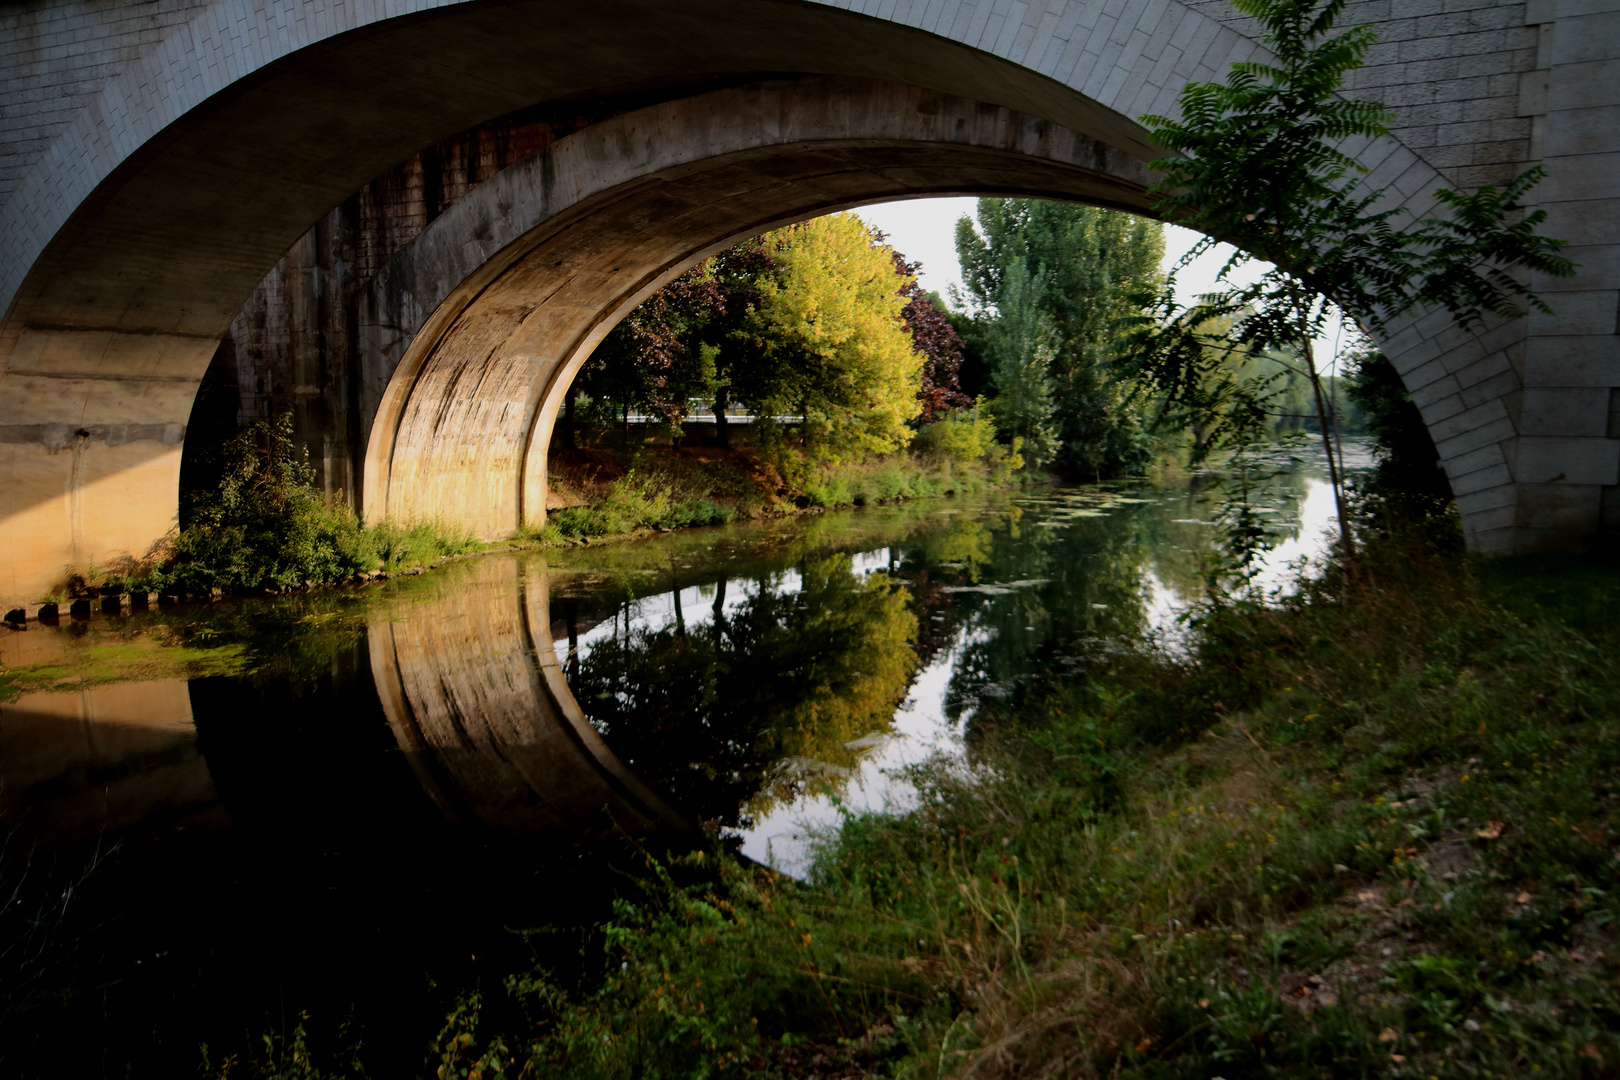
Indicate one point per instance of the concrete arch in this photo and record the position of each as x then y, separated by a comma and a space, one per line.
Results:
135, 222
483, 320
476, 698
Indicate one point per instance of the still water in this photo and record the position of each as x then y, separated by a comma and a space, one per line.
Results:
360, 803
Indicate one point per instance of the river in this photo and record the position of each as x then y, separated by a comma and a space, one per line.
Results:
357, 803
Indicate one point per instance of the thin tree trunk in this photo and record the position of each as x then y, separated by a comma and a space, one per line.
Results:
568, 419
572, 610
720, 607
1328, 428
722, 431
625, 439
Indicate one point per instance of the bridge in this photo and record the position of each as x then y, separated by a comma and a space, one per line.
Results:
411, 220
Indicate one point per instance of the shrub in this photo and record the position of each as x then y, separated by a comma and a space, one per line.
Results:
964, 436
265, 524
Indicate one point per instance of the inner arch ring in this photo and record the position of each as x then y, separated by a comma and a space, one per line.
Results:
473, 332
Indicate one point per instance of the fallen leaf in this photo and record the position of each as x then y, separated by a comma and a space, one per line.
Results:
1388, 1035
1365, 896
1144, 1044
1523, 898
1397, 1058
1491, 831
1590, 1050
1577, 957
1537, 958
1203, 1003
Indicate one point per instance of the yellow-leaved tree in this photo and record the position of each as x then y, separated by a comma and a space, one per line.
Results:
833, 340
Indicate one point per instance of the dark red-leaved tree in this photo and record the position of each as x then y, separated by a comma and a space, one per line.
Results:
939, 343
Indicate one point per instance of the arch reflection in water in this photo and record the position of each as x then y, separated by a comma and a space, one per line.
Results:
473, 692
712, 718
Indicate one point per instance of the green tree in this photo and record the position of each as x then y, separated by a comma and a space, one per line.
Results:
820, 319
656, 357
1080, 261
1021, 344
832, 344
1408, 470
1257, 163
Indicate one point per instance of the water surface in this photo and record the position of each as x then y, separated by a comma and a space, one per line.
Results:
348, 802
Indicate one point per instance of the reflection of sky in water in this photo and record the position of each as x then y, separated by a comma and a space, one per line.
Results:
657, 612
783, 836
1304, 542
922, 728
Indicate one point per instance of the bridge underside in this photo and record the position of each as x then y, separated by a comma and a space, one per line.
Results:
137, 239
588, 228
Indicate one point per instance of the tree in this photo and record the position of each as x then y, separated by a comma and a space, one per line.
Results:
1080, 261
1408, 470
1257, 164
1021, 343
821, 318
832, 343
656, 358
723, 717
932, 335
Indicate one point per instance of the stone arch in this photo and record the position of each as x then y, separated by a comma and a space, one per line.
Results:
131, 235
483, 320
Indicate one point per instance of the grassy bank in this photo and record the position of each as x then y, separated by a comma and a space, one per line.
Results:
1366, 832
260, 525
618, 491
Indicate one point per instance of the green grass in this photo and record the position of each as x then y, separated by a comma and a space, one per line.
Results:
902, 476
391, 546
1368, 832
639, 500
664, 490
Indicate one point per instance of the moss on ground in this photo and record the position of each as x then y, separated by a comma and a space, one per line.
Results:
130, 660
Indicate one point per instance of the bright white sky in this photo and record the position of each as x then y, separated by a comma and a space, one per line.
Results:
925, 230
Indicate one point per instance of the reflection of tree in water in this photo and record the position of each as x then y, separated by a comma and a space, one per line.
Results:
728, 717
1060, 594
1181, 548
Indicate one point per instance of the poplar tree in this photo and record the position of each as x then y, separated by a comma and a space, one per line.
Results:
1077, 264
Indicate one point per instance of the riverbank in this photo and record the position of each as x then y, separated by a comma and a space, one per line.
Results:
607, 491
265, 530
1366, 831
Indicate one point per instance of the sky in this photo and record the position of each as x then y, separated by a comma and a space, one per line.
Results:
925, 230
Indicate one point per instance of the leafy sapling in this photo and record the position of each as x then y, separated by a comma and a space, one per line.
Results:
1258, 161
